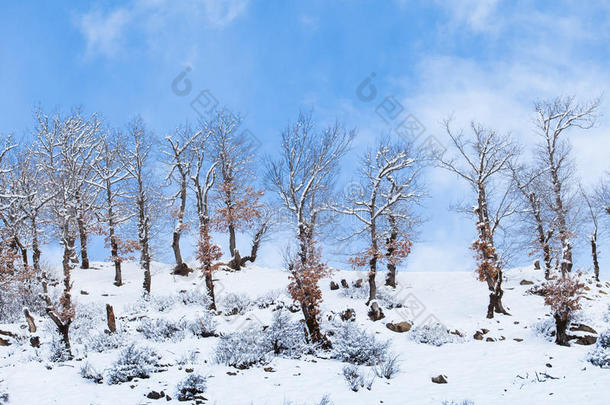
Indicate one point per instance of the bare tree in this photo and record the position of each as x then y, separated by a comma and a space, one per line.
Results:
137, 160
64, 149
602, 194
110, 179
207, 252
554, 119
481, 161
535, 213
302, 178
593, 211
239, 202
180, 166
389, 181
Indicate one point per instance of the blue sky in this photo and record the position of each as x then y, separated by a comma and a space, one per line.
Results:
485, 60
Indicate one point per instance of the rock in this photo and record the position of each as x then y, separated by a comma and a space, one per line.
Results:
549, 365
334, 286
155, 395
579, 327
526, 282
586, 340
440, 379
518, 340
269, 370
168, 398
231, 373
485, 331
478, 335
344, 283
489, 339
457, 333
189, 370
375, 312
4, 342
83, 292
35, 341
399, 327
348, 314
358, 283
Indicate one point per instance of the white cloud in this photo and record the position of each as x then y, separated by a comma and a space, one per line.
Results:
106, 32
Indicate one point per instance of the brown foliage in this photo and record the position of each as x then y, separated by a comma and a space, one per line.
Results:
563, 294
244, 207
396, 251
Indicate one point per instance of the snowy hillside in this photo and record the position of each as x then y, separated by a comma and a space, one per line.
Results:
510, 361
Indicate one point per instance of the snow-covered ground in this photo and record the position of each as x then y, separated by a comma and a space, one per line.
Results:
502, 371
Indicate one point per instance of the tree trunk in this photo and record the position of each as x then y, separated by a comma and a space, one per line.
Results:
209, 283
30, 321
561, 326
232, 240
110, 318
594, 255
35, 248
82, 232
114, 251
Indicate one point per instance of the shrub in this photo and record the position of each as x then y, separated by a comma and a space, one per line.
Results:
355, 378
133, 362
242, 349
102, 341
354, 345
235, 304
89, 317
203, 326
270, 298
161, 329
387, 368
600, 355
195, 297
464, 402
88, 372
57, 350
285, 337
545, 328
432, 334
190, 387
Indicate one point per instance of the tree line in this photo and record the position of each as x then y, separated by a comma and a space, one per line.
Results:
78, 178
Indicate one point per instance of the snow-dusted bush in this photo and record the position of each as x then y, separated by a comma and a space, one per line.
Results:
189, 357
203, 326
432, 334
89, 317
88, 372
353, 345
133, 362
270, 298
195, 297
607, 314
151, 302
15, 297
235, 304
102, 341
355, 378
464, 402
387, 368
57, 349
243, 349
285, 337
600, 355
545, 328
190, 387
160, 329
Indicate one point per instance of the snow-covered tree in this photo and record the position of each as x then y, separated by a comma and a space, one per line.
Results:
110, 180
238, 201
207, 251
138, 161
535, 213
65, 148
180, 167
388, 177
554, 119
594, 213
302, 178
563, 294
481, 161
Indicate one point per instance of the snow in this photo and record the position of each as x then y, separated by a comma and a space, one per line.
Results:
498, 372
